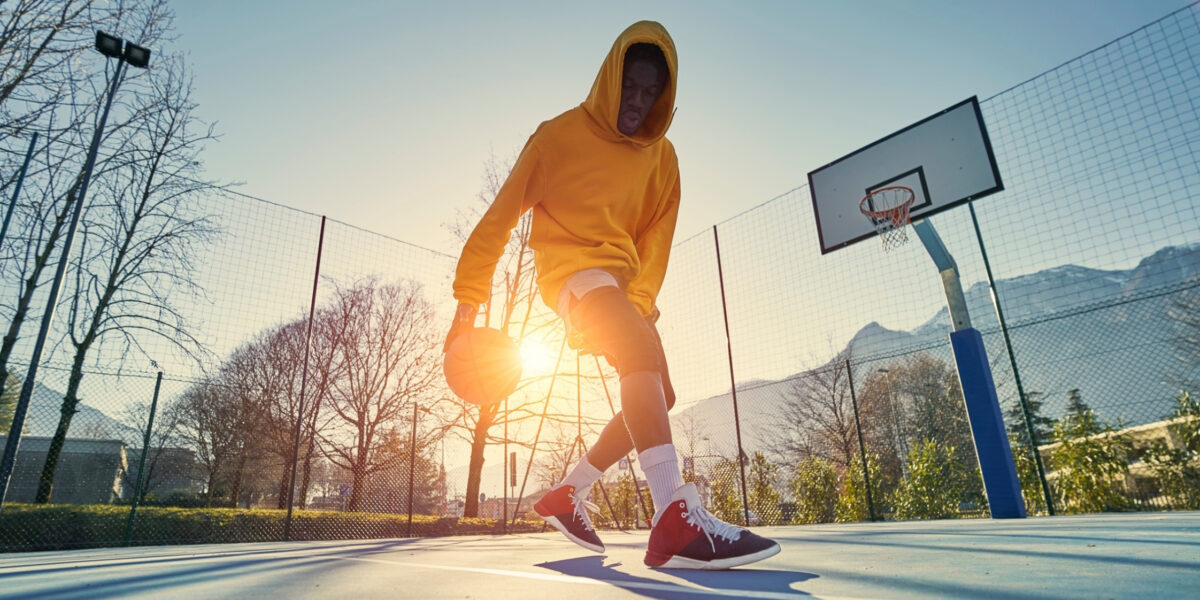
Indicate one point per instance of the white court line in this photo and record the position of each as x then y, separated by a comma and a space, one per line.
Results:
166, 560
634, 585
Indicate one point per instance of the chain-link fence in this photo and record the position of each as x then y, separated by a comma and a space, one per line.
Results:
268, 374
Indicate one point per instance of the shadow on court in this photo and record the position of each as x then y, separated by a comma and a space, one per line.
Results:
739, 580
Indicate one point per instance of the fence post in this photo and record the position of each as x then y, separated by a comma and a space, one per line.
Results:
1012, 359
312, 307
862, 449
412, 466
137, 488
737, 423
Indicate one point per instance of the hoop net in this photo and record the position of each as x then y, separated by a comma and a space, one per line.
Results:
888, 210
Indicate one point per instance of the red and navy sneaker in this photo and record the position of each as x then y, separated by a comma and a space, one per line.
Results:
567, 512
687, 537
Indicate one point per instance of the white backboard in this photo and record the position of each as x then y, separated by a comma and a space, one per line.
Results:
946, 159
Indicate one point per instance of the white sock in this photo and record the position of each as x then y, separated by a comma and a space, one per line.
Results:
583, 475
661, 466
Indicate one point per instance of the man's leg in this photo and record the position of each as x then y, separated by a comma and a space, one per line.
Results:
684, 534
615, 442
611, 324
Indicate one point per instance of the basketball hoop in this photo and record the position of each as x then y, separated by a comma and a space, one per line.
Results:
887, 208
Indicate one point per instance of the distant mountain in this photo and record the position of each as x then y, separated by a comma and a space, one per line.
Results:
1105, 333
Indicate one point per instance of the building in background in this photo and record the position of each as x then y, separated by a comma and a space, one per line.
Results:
89, 471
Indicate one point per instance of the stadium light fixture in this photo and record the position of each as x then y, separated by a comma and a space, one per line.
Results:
109, 45
129, 52
136, 55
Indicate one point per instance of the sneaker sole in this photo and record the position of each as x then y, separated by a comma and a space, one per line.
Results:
682, 562
555, 523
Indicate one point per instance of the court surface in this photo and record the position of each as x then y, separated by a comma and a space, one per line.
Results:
1131, 555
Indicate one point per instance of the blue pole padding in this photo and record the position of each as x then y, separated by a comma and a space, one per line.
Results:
987, 426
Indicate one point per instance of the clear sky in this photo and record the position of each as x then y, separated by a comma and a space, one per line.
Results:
382, 113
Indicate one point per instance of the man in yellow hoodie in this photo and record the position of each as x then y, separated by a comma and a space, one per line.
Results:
602, 181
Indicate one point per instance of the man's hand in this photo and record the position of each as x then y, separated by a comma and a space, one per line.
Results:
464, 319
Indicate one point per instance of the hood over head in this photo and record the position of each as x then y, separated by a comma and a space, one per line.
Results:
604, 101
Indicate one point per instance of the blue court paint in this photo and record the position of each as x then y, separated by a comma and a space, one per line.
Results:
987, 426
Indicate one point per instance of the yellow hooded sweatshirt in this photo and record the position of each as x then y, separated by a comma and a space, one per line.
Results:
600, 199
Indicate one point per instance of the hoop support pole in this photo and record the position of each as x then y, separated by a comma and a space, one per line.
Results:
948, 269
996, 465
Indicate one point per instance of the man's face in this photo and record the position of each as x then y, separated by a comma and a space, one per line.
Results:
642, 85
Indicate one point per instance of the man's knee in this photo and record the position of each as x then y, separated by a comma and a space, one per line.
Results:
610, 322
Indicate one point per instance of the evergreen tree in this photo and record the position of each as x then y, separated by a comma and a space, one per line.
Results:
1043, 426
1075, 405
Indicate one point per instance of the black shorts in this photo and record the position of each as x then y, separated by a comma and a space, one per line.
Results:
611, 325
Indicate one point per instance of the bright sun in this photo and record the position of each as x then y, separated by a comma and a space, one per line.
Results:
536, 357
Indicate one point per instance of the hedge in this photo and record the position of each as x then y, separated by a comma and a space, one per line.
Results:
33, 527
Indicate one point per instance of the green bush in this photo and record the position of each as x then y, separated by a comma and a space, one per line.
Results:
1090, 464
726, 492
622, 500
763, 496
30, 527
935, 485
1031, 484
852, 504
815, 488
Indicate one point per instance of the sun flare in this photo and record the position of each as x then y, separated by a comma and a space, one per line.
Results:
536, 357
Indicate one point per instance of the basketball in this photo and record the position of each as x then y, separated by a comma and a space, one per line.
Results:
483, 366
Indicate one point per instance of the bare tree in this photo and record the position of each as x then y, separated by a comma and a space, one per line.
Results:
162, 456
276, 374
270, 367
688, 433
139, 237
817, 417
39, 39
52, 81
936, 410
211, 424
389, 361
554, 463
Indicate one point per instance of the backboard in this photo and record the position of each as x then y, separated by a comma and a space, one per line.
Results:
946, 159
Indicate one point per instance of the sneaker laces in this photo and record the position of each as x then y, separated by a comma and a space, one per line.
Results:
711, 526
582, 505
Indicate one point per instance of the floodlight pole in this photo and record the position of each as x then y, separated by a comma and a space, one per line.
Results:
979, 390
12, 205
18, 422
